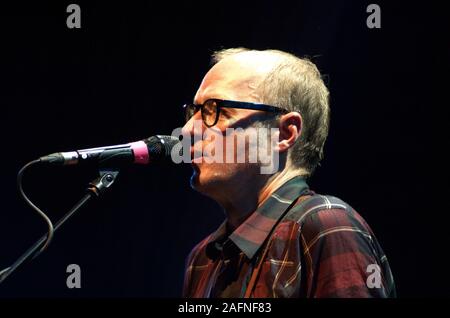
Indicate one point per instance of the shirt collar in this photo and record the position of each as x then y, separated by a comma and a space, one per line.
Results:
251, 234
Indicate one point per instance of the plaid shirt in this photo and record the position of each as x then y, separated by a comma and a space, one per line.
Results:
317, 246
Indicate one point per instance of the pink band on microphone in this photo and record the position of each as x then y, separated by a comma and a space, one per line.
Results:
140, 151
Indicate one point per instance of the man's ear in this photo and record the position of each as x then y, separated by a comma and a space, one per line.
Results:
290, 126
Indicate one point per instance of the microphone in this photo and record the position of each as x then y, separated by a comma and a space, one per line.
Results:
145, 151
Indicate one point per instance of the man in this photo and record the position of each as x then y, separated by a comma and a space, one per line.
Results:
279, 239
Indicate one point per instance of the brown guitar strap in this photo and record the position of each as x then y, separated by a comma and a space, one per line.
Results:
260, 261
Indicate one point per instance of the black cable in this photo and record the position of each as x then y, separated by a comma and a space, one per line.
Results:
49, 236
6, 271
96, 187
31, 204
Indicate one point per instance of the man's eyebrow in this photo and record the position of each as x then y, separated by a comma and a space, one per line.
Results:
196, 103
228, 110
209, 95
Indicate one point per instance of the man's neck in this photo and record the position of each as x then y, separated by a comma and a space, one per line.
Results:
245, 202
275, 182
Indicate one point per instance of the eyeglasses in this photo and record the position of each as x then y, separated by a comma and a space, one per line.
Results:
210, 109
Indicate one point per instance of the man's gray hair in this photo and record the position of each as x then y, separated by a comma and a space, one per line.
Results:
296, 85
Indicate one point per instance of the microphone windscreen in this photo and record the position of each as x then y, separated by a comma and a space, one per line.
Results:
161, 146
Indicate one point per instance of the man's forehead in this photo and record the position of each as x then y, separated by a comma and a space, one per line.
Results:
237, 74
244, 66
257, 61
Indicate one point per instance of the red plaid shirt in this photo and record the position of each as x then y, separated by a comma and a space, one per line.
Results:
317, 246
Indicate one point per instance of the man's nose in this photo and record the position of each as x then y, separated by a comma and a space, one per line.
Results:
194, 127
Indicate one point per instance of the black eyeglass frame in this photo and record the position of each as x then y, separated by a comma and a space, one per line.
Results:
222, 103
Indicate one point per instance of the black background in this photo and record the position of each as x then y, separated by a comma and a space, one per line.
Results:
124, 76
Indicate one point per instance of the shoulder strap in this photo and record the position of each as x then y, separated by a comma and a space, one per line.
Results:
314, 204
307, 204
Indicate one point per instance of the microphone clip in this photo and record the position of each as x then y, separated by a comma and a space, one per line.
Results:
103, 182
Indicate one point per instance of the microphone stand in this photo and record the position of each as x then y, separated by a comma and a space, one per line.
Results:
95, 189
